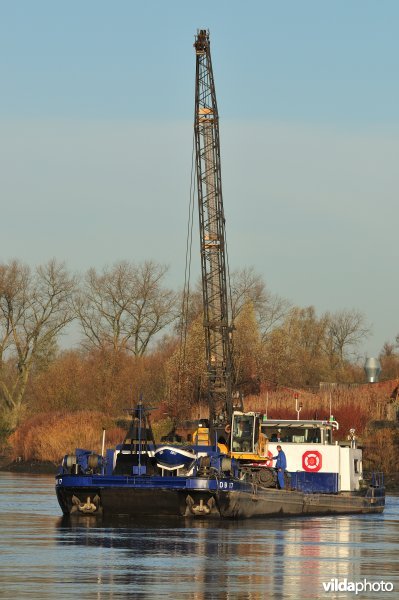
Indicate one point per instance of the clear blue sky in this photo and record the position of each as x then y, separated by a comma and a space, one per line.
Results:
96, 109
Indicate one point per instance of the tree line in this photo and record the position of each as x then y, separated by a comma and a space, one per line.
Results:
134, 340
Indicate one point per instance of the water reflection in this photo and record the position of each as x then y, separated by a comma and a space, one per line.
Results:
45, 556
283, 558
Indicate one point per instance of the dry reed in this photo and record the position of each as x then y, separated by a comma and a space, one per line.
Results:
48, 436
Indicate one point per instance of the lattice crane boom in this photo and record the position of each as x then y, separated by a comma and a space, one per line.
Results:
212, 237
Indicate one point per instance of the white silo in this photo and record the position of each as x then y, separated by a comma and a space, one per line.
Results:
372, 368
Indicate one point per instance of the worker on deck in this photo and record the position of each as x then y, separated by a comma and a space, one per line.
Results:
281, 465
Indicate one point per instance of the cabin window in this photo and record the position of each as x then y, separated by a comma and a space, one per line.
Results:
313, 436
243, 434
356, 465
295, 435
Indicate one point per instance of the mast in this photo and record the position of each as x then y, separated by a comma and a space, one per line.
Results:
212, 238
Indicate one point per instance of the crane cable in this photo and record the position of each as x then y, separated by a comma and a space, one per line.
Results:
231, 319
187, 275
183, 326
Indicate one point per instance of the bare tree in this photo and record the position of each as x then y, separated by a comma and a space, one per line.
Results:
387, 350
125, 306
295, 350
34, 308
346, 330
389, 360
248, 286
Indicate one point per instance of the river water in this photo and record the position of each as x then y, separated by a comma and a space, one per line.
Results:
42, 555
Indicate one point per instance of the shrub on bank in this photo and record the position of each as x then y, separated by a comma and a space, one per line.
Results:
382, 450
48, 436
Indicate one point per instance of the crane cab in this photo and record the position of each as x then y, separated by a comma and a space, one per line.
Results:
247, 441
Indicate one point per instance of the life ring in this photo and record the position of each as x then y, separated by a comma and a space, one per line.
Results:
312, 461
228, 429
269, 462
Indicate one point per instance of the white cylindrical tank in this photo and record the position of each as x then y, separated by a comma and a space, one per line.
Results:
372, 368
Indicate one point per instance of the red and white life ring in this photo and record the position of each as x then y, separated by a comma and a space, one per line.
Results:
312, 461
269, 462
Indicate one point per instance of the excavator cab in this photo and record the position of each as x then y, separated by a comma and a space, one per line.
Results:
243, 433
247, 442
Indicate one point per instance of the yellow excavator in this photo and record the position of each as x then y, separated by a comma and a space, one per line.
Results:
243, 439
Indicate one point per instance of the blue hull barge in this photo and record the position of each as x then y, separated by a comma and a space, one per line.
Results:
225, 498
129, 480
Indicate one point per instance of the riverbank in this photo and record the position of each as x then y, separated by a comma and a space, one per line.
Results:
35, 467
392, 483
